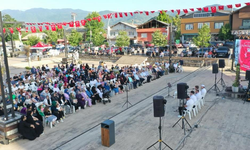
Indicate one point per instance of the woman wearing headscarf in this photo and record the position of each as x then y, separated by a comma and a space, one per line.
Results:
85, 96
57, 111
26, 129
80, 99
34, 121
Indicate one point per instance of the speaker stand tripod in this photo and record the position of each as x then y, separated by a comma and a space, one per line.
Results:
160, 140
182, 119
215, 87
222, 82
127, 101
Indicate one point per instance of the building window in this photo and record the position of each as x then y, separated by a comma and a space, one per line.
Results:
218, 25
246, 22
112, 33
130, 33
165, 33
208, 24
201, 15
189, 27
200, 25
144, 35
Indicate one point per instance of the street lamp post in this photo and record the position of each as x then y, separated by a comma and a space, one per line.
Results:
170, 43
108, 29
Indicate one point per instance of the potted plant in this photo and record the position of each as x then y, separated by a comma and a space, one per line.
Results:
236, 84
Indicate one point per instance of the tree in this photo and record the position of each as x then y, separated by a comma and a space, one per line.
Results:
51, 37
177, 24
225, 32
96, 29
15, 35
159, 39
32, 40
203, 37
164, 17
75, 38
122, 39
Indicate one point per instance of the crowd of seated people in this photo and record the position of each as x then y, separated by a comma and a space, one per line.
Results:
50, 91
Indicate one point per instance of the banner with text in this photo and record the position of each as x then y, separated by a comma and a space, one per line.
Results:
242, 54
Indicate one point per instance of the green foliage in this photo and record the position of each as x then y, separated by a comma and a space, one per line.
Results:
75, 38
106, 43
203, 37
53, 36
177, 24
164, 17
15, 35
159, 39
237, 77
122, 39
96, 28
32, 40
225, 32
28, 68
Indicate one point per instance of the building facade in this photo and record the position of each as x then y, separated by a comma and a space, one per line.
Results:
192, 22
122, 26
146, 30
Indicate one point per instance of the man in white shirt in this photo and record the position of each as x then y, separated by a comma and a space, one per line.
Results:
198, 94
193, 97
188, 106
203, 91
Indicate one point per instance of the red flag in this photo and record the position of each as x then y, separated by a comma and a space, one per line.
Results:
83, 22
27, 29
34, 23
120, 14
213, 9
165, 10
71, 24
105, 16
146, 12
131, 13
59, 26
77, 23
152, 12
18, 29
126, 14
33, 29
47, 27
229, 6
136, 12
53, 27
238, 5
38, 24
199, 9
116, 15
99, 19
160, 11
192, 9
172, 11
94, 18
221, 7
11, 30
27, 24
141, 12
89, 19
64, 23
40, 28
178, 11
185, 11
110, 15
205, 9
4, 30
247, 3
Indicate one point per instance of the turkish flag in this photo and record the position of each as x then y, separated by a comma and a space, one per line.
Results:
18, 29
192, 9
116, 15
77, 23
59, 26
199, 9
34, 23
229, 6
33, 29
160, 11
27, 29
136, 12
4, 30
185, 11
213, 9
172, 11
38, 24
89, 19
105, 16
11, 30
152, 12
238, 5
141, 12
83, 22
165, 10
71, 24
205, 9
126, 14
178, 11
221, 7
146, 12
47, 27
53, 27
247, 3
131, 13
120, 14
64, 23
110, 15
27, 24
40, 28
99, 18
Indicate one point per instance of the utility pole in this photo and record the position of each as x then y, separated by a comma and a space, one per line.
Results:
73, 15
170, 43
65, 43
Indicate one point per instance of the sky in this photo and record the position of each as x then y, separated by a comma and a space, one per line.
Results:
113, 5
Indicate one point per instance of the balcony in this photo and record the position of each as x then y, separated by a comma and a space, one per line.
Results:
244, 27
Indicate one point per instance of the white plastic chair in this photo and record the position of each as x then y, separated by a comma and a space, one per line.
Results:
189, 114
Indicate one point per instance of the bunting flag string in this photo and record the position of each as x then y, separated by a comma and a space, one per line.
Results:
11, 30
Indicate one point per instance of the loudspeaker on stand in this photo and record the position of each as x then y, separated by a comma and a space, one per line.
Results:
158, 104
215, 68
182, 90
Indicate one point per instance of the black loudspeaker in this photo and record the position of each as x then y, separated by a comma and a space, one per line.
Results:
158, 103
221, 63
182, 90
248, 75
215, 68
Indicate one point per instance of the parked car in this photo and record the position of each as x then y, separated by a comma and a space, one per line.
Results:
201, 51
223, 52
194, 50
136, 46
229, 44
216, 44
189, 44
148, 44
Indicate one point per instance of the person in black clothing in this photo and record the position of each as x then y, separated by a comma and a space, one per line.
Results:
34, 121
95, 95
26, 129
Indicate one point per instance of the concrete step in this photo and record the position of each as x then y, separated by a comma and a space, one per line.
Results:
132, 60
